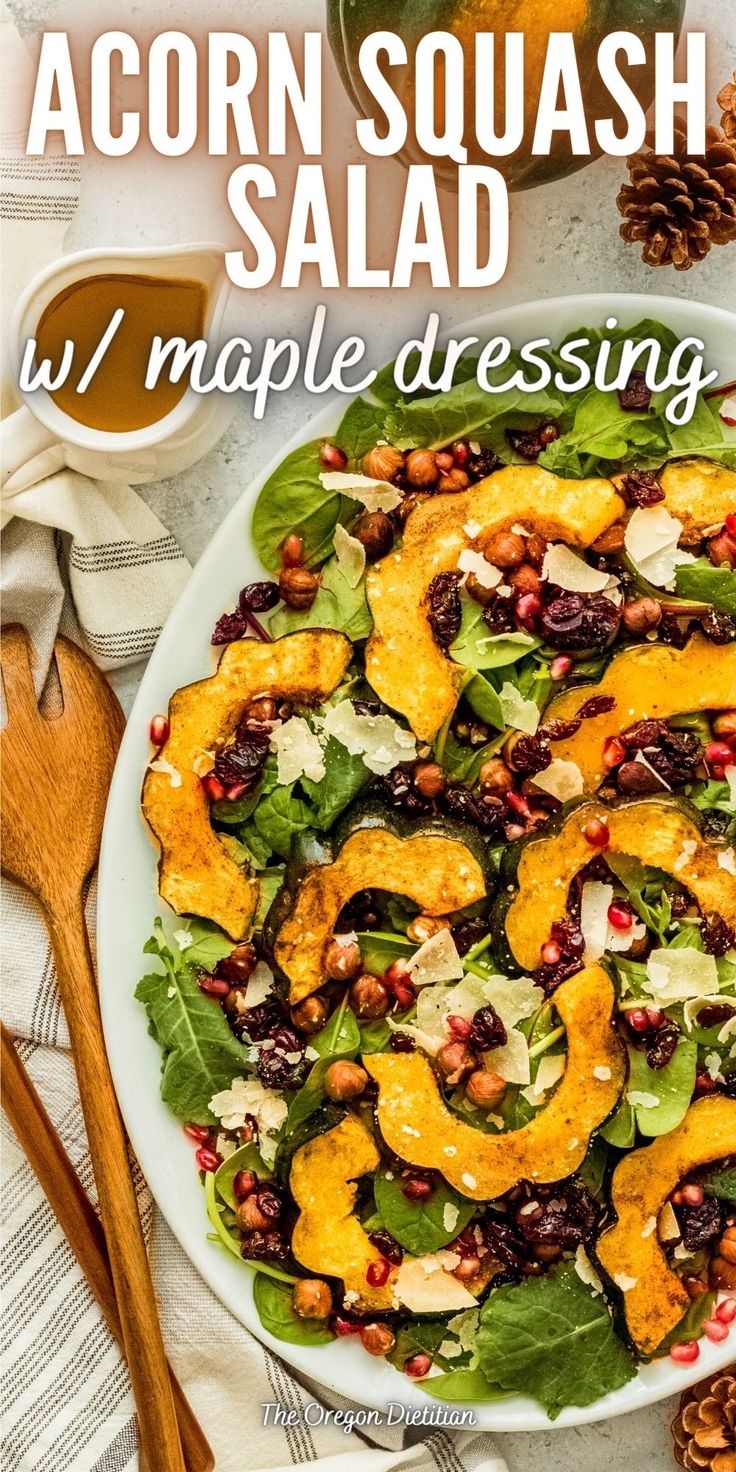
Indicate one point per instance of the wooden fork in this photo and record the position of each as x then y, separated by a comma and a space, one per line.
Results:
55, 778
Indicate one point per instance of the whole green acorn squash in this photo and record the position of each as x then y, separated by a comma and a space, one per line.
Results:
350, 21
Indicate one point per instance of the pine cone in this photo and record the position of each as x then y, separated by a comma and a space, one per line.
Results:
727, 100
680, 206
705, 1427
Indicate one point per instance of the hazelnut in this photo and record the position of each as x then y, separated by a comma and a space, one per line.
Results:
722, 550
611, 540
383, 462
634, 779
408, 503
546, 1252
525, 579
456, 1062
722, 1274
298, 587
641, 615
251, 1218
495, 778
453, 480
310, 1015
369, 997
377, 1339
727, 1245
375, 533
505, 550
429, 779
485, 1089
423, 927
725, 724
421, 468
239, 965
536, 548
344, 1081
343, 961
260, 711
311, 1299
484, 596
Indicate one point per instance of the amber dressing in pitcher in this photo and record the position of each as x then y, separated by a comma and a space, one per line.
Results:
117, 400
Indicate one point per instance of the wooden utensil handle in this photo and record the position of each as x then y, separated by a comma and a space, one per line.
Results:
79, 1223
144, 1350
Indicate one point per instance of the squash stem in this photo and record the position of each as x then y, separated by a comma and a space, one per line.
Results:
545, 1043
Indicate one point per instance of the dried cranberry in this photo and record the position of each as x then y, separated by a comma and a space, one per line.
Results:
487, 1030
719, 627
636, 394
569, 938
402, 1042
258, 597
530, 755
483, 463
229, 627
443, 595
242, 762
715, 1015
574, 621
485, 813
499, 616
718, 936
642, 488
566, 1217
700, 1224
283, 1065
556, 730
662, 1047
529, 443
264, 1247
674, 631
269, 1202
467, 933
387, 1246
259, 1022
674, 755
501, 1237
402, 794
598, 705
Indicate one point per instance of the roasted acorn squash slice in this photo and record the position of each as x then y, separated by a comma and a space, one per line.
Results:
196, 876
403, 663
655, 1298
417, 1125
441, 873
647, 682
662, 832
699, 493
328, 1237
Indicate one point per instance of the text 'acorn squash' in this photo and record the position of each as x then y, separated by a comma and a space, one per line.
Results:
196, 875
658, 831
417, 1125
439, 872
404, 664
655, 1298
328, 1237
647, 682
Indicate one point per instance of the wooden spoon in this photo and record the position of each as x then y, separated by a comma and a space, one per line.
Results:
54, 782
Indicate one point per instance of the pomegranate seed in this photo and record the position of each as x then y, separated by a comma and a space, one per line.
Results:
332, 458
213, 986
704, 1084
716, 1330
445, 460
551, 953
726, 1311
214, 790
397, 975
685, 1354
208, 1159
460, 1027
344, 1327
620, 916
528, 609
377, 1273
292, 551
415, 1189
465, 1244
244, 1184
418, 1366
655, 1017
237, 790
597, 833
560, 667
693, 1195
549, 434
461, 453
199, 1132
405, 995
731, 523
159, 730
518, 803
676, 1198
637, 1018
718, 754
467, 1269
614, 752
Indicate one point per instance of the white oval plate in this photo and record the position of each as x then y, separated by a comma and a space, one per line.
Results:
128, 902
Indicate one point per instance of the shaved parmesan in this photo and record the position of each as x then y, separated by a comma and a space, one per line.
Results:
550, 1071
624, 1282
511, 1061
350, 555
560, 779
513, 998
161, 765
436, 960
298, 751
424, 1286
681, 972
522, 714
668, 1227
639, 1099
651, 540
472, 529
650, 1227
260, 984
563, 567
375, 495
731, 780
484, 572
692, 1007
727, 861
599, 935
378, 739
248, 1096
585, 1270
183, 939
713, 1067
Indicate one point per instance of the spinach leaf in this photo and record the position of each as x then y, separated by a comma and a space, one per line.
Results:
620, 1129
345, 776
552, 1338
374, 1036
340, 1037
464, 412
601, 432
360, 428
309, 1098
294, 500
273, 1302
704, 583
279, 816
477, 649
337, 606
209, 944
483, 700
463, 1385
672, 1086
720, 1183
421, 1226
380, 948
248, 1157
463, 763
691, 1324
200, 1054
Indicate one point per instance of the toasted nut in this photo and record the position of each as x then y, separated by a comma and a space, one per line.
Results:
377, 1339
421, 468
611, 540
722, 550
495, 777
383, 462
485, 1089
344, 1081
456, 1062
641, 615
343, 960
536, 547
727, 1245
298, 587
310, 1015
453, 480
505, 550
311, 1299
725, 724
722, 1273
369, 997
251, 1218
525, 579
375, 533
484, 596
429, 779
422, 927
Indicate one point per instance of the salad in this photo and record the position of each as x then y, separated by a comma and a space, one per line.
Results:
447, 996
